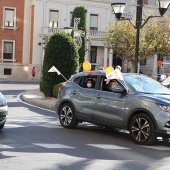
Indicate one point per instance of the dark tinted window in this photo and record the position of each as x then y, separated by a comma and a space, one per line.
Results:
81, 81
76, 80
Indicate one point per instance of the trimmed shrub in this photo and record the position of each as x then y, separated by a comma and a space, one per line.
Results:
41, 86
61, 52
56, 88
80, 12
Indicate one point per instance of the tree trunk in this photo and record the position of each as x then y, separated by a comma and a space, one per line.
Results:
132, 67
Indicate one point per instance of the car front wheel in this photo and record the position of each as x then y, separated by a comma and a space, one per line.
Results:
142, 129
67, 116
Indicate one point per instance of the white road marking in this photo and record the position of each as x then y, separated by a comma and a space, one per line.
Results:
5, 146
53, 145
106, 146
13, 125
159, 148
19, 99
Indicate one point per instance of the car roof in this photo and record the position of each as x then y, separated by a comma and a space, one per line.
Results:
89, 73
99, 72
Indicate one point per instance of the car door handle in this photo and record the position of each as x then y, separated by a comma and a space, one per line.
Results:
98, 96
74, 92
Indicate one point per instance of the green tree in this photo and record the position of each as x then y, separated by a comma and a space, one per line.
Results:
163, 37
61, 52
121, 37
80, 12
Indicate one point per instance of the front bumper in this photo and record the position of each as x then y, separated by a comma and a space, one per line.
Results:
3, 113
162, 133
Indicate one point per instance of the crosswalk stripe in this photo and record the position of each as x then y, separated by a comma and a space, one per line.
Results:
5, 146
13, 125
106, 146
53, 145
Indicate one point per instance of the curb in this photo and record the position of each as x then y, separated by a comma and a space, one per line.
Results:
18, 82
39, 100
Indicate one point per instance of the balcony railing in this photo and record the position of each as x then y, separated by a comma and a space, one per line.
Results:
51, 30
90, 33
96, 34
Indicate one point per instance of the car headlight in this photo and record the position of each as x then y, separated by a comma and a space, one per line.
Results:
165, 108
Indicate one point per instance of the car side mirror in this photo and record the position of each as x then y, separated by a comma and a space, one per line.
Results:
117, 89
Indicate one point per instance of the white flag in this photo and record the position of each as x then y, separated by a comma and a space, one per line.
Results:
53, 69
111, 75
116, 74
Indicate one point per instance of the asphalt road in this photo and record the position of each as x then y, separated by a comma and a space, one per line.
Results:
33, 139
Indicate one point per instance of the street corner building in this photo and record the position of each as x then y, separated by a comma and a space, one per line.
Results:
27, 25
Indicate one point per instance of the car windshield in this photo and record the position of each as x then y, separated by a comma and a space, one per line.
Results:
144, 84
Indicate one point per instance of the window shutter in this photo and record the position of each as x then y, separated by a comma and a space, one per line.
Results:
9, 15
94, 21
54, 15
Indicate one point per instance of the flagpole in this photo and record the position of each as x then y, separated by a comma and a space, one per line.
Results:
64, 77
53, 69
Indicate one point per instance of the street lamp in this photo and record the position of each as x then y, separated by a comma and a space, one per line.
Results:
118, 9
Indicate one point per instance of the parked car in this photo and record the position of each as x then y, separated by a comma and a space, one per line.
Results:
138, 103
3, 110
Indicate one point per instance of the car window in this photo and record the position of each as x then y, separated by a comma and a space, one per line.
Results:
144, 84
82, 81
76, 80
103, 85
106, 84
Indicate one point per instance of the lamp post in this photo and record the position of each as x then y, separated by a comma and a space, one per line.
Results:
118, 9
42, 37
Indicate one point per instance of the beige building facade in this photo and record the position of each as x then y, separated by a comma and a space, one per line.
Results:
26, 24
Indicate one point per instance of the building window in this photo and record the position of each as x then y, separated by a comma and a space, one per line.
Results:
54, 17
9, 17
7, 71
93, 22
93, 56
8, 50
71, 15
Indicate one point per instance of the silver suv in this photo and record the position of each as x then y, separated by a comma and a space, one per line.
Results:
138, 104
3, 110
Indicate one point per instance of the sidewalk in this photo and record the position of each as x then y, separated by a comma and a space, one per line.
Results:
36, 98
17, 80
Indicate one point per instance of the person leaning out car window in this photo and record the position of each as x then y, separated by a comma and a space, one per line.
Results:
111, 85
89, 83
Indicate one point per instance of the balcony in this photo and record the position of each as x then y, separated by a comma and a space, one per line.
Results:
92, 34
97, 35
48, 31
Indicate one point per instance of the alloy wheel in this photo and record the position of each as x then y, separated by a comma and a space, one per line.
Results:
140, 129
66, 115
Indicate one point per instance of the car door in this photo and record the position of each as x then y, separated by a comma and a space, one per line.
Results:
82, 98
109, 107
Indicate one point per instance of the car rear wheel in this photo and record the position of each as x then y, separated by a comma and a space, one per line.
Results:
142, 129
67, 116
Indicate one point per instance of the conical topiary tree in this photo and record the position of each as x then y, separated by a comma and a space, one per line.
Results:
80, 12
61, 52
